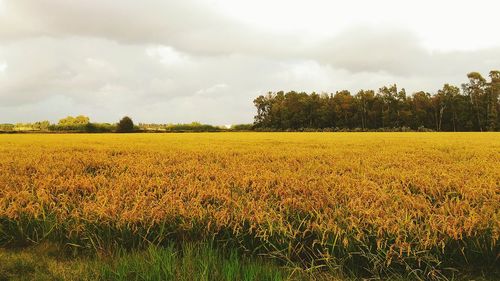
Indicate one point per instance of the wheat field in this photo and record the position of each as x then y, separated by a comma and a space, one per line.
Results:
385, 202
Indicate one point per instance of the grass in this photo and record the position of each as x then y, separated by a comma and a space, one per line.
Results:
189, 261
44, 262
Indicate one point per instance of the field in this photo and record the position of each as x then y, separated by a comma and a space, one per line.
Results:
418, 205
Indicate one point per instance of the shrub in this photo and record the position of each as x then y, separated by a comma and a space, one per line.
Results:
126, 125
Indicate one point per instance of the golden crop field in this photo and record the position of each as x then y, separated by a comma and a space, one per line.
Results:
382, 200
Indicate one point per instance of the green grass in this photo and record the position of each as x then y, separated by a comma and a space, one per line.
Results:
192, 262
189, 261
44, 262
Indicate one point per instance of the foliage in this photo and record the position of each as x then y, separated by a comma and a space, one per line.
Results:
44, 262
126, 125
190, 262
74, 121
7, 127
367, 203
191, 127
242, 127
84, 128
184, 261
36, 126
100, 128
68, 124
474, 109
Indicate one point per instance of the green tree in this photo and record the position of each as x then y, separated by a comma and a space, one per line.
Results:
475, 90
493, 100
365, 100
422, 110
73, 121
475, 108
344, 108
41, 125
448, 97
126, 125
263, 105
390, 109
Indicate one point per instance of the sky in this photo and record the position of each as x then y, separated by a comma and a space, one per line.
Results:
179, 61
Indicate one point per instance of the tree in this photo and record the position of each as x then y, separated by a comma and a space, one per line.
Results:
475, 89
126, 125
493, 100
41, 125
448, 96
263, 105
475, 108
73, 121
422, 110
363, 97
403, 109
390, 109
344, 107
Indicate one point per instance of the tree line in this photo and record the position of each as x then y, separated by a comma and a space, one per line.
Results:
472, 107
82, 124
70, 124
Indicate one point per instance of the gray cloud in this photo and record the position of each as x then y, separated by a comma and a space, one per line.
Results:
399, 52
180, 61
105, 79
368, 49
189, 25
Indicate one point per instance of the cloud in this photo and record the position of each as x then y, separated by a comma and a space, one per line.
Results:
189, 26
167, 55
3, 66
157, 83
106, 79
183, 61
399, 52
215, 89
363, 48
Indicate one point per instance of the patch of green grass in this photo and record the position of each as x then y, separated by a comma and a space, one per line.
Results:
188, 261
184, 262
43, 262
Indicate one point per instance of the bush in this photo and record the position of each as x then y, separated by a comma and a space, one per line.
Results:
126, 125
242, 127
6, 127
424, 129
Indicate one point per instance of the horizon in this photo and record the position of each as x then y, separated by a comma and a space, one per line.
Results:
227, 126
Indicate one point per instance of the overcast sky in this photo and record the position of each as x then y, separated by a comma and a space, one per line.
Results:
192, 60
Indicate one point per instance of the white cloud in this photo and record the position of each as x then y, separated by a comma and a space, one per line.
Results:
167, 55
3, 66
217, 88
443, 25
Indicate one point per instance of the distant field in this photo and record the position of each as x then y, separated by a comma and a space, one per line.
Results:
377, 203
